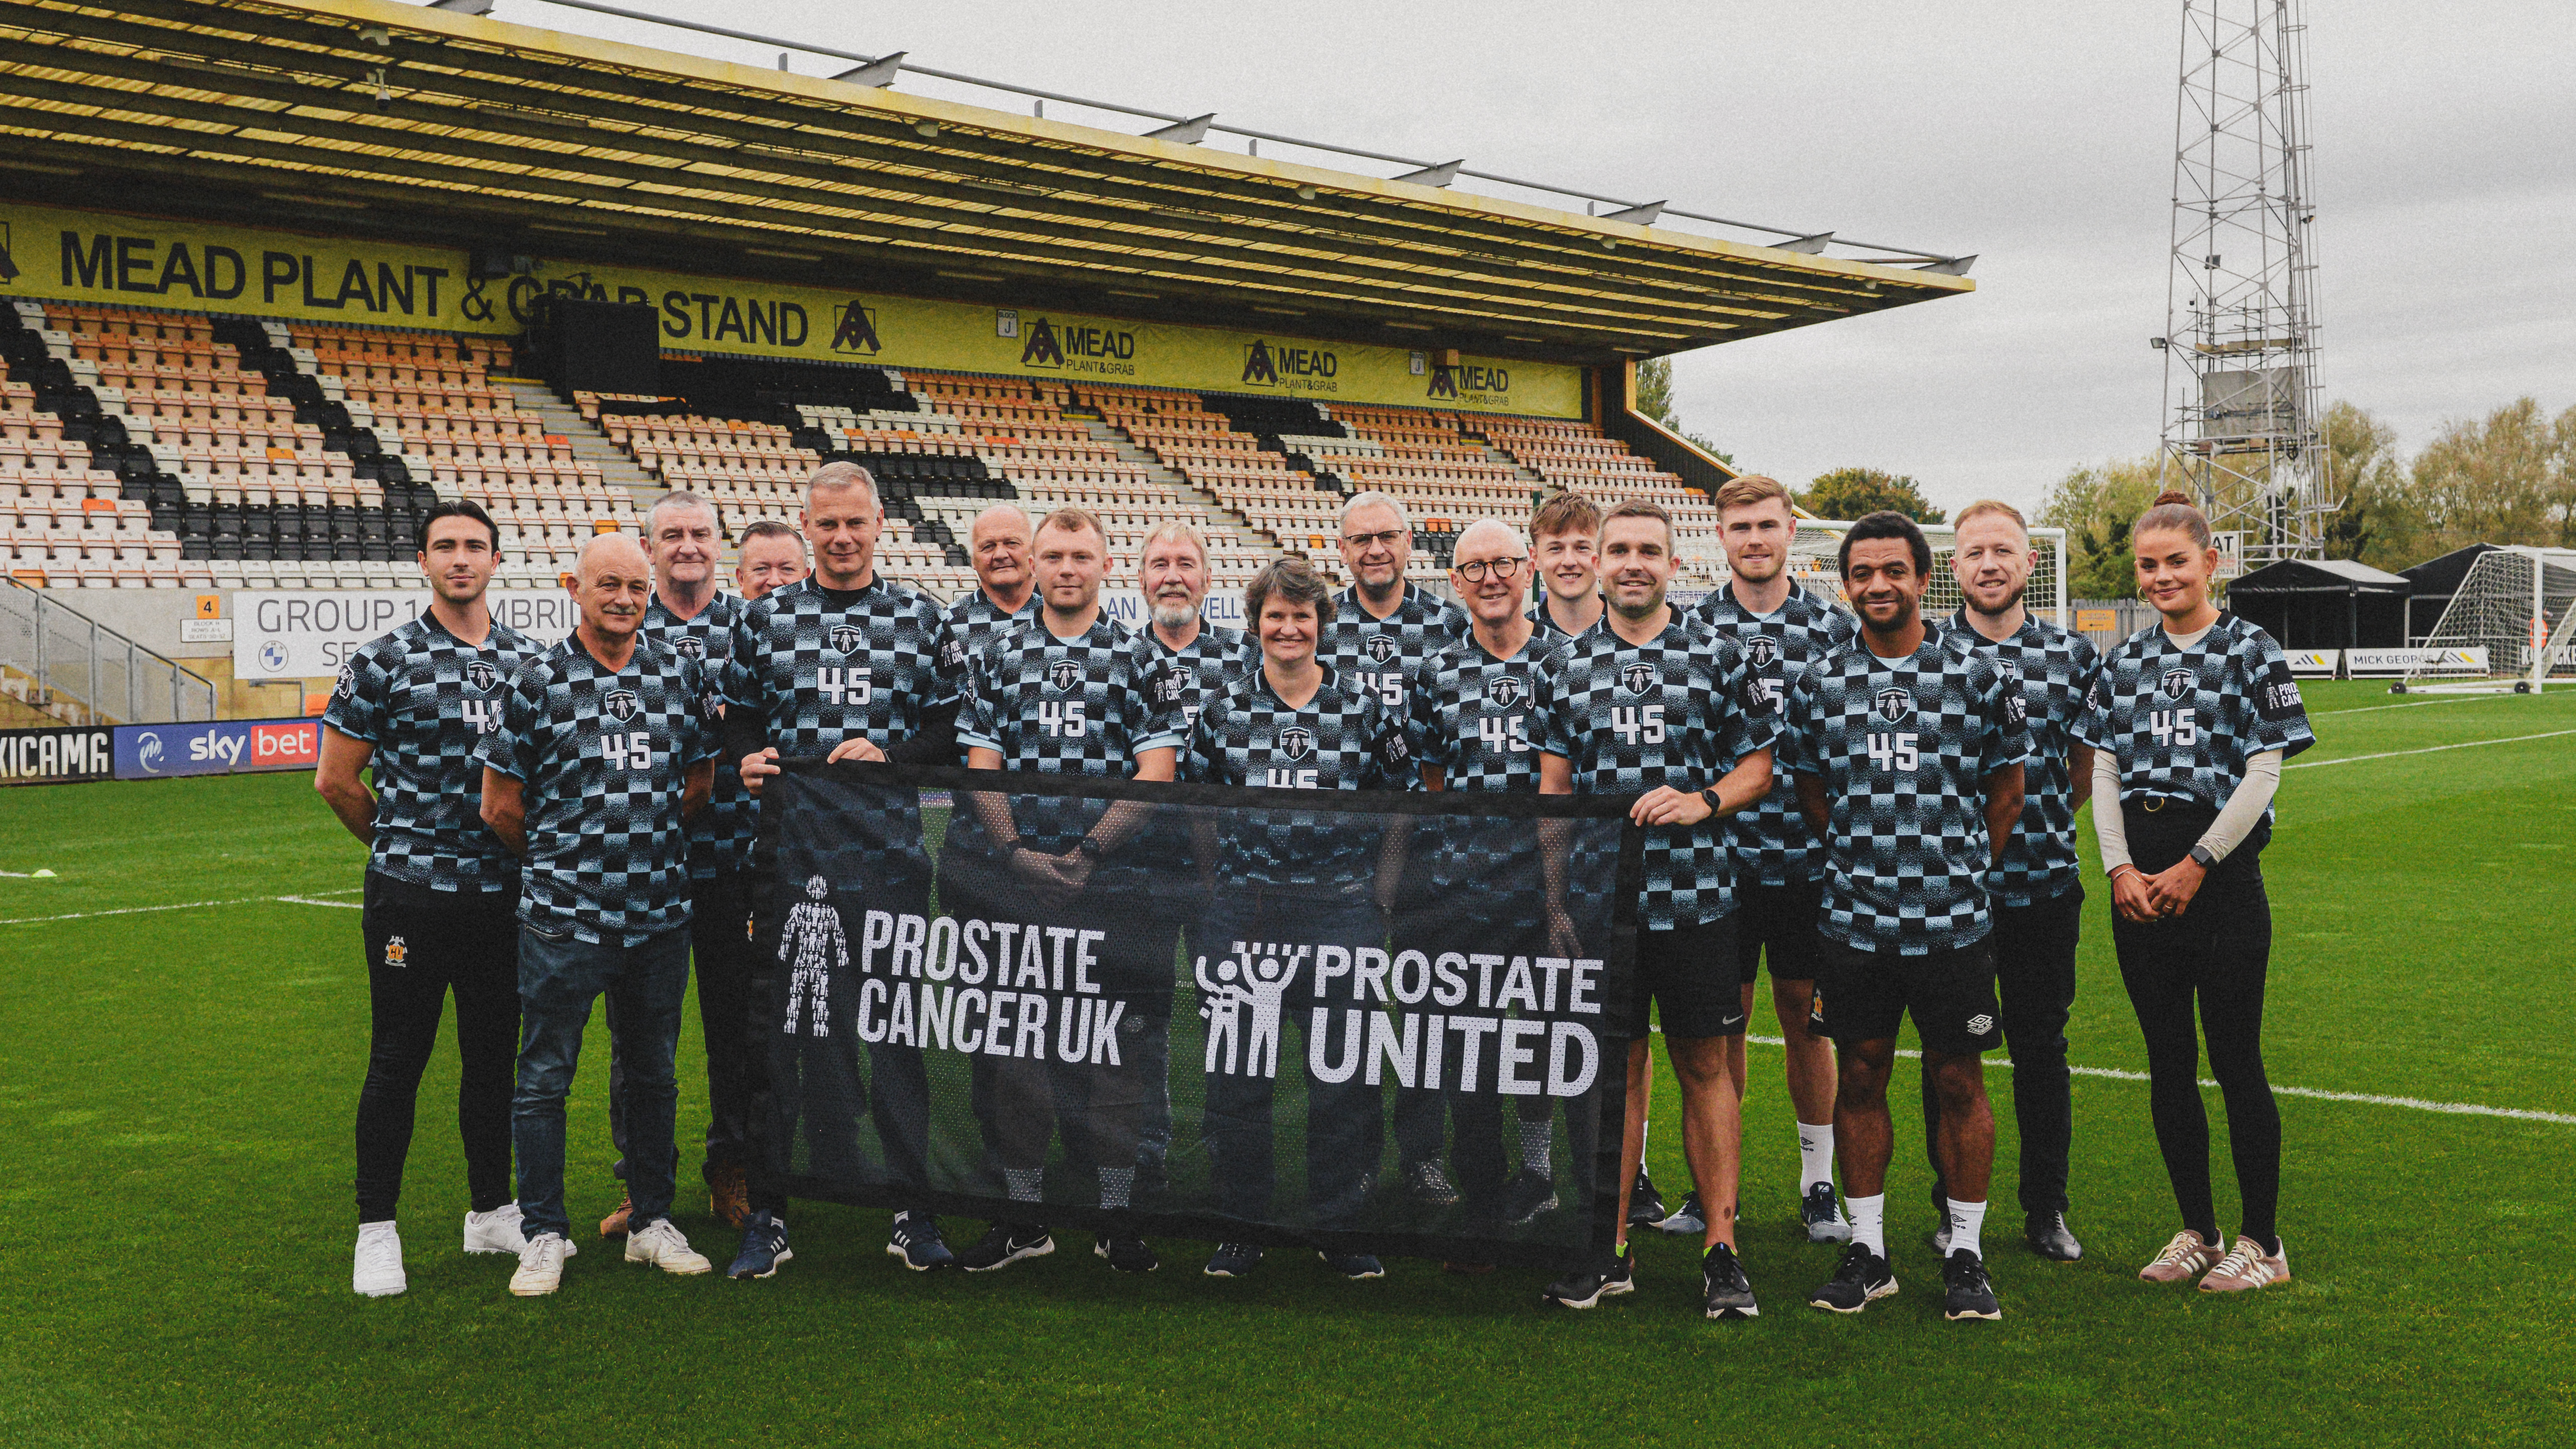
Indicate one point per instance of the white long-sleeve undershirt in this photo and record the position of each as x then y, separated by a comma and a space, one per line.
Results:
2245, 807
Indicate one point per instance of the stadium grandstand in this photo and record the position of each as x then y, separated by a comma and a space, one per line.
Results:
278, 275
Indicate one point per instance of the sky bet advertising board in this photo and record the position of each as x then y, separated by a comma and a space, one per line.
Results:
224, 747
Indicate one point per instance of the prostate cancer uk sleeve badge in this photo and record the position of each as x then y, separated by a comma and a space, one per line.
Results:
1185, 1010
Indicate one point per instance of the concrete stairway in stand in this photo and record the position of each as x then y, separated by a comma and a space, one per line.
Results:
1220, 519
589, 444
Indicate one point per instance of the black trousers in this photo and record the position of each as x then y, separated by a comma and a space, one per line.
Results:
2215, 957
422, 944
720, 945
2035, 979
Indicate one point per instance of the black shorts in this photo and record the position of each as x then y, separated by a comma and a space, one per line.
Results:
1782, 918
1684, 970
1863, 995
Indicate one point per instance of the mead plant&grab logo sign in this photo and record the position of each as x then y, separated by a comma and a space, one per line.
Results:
1078, 347
1289, 367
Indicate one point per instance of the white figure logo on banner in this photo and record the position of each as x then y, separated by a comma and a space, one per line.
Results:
1254, 976
814, 934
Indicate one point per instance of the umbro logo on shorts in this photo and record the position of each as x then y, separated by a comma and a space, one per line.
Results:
1296, 742
1382, 648
1064, 674
846, 638
1980, 1024
1504, 691
2179, 682
1638, 678
621, 706
1892, 705
481, 675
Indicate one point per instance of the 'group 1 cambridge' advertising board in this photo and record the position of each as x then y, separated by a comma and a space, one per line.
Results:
189, 265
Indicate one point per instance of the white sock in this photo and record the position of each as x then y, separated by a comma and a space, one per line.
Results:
1117, 1184
1869, 1222
1815, 1155
383, 1229
1023, 1182
1967, 1220
1538, 1143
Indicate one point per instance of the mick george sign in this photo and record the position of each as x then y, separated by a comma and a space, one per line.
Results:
1239, 1014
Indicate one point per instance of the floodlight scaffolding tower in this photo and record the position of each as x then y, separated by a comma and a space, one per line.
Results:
2243, 418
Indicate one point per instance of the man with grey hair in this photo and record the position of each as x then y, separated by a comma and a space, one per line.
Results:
604, 751
1001, 543
846, 666
1196, 661
1380, 631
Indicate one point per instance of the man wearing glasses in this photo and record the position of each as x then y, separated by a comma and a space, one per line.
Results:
1380, 633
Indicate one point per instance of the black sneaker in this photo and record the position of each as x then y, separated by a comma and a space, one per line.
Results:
1690, 1217
1004, 1244
1645, 1205
1526, 1196
2050, 1237
1127, 1255
1730, 1293
1585, 1287
764, 1247
1428, 1183
1966, 1291
1233, 1260
1354, 1266
917, 1242
1822, 1216
1861, 1276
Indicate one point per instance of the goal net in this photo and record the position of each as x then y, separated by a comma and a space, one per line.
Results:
2507, 627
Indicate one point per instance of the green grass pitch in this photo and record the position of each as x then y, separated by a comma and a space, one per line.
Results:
177, 1087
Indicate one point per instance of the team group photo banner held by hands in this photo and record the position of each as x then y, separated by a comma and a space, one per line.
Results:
1228, 1018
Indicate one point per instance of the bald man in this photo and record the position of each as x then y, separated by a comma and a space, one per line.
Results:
606, 748
1005, 593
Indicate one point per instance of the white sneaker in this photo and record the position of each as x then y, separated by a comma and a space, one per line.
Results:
660, 1244
497, 1231
379, 1270
541, 1265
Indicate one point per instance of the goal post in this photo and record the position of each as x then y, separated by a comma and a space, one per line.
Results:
2506, 628
1814, 562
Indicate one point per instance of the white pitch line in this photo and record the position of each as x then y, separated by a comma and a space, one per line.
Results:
2418, 1104
2426, 750
2411, 704
179, 906
308, 901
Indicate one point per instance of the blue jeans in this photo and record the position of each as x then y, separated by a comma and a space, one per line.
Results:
560, 977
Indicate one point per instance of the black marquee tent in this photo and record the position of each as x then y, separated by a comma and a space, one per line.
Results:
2324, 604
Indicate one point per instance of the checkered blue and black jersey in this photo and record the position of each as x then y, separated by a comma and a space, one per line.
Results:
720, 838
2054, 671
974, 622
817, 666
1184, 679
2185, 721
1380, 655
1904, 749
1471, 719
603, 757
1341, 739
1677, 711
1547, 632
1770, 839
1050, 706
423, 698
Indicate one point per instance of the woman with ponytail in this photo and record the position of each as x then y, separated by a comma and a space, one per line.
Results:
2190, 721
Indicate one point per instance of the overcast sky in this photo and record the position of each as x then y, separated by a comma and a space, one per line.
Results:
2039, 136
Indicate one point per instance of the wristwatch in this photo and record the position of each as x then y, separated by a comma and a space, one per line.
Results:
2202, 855
1710, 795
1091, 847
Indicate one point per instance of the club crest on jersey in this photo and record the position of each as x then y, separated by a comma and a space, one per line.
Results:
1381, 647
1892, 705
1064, 674
1638, 678
620, 706
1764, 651
482, 676
690, 645
846, 638
1296, 742
1504, 691
2179, 682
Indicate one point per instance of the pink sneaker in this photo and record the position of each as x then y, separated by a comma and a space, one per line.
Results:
2186, 1257
2247, 1267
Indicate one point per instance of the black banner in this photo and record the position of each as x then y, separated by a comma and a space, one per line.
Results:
1371, 1022
55, 756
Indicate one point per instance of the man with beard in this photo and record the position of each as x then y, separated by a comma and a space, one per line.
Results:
2038, 892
